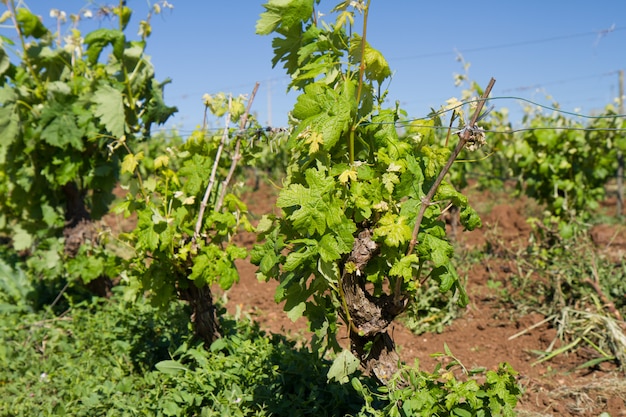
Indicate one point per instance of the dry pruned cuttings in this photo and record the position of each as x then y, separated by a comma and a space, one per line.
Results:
597, 330
582, 301
584, 399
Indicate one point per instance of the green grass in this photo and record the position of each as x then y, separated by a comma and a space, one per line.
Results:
101, 359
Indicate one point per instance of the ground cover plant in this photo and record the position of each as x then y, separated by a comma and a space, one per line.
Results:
115, 358
581, 294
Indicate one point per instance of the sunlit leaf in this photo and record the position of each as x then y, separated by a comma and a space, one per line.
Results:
394, 230
283, 13
404, 267
130, 162
376, 66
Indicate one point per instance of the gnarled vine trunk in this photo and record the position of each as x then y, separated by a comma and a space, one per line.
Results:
370, 316
79, 228
203, 313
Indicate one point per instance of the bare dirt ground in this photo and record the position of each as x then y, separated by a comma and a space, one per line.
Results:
481, 337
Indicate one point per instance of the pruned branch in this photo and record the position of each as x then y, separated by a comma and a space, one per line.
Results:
209, 187
237, 155
464, 136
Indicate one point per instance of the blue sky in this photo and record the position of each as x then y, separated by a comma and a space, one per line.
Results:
533, 48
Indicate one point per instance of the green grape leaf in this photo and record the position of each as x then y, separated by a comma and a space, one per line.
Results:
312, 212
323, 111
447, 192
320, 183
286, 49
463, 297
390, 179
86, 267
268, 21
22, 240
344, 233
470, 218
297, 259
194, 170
446, 276
67, 169
147, 236
265, 257
310, 218
30, 24
236, 252
100, 38
404, 267
130, 162
439, 249
376, 66
317, 97
201, 264
393, 229
295, 312
265, 224
156, 109
295, 295
60, 128
9, 118
227, 277
329, 249
329, 270
283, 13
109, 108
5, 61
293, 195
435, 159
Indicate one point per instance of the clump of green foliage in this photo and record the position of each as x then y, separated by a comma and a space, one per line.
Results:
449, 391
354, 189
132, 357
567, 165
66, 112
187, 218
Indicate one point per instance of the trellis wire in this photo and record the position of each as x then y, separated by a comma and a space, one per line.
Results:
412, 122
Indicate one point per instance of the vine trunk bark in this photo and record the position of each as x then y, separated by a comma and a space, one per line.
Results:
79, 228
369, 316
203, 313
